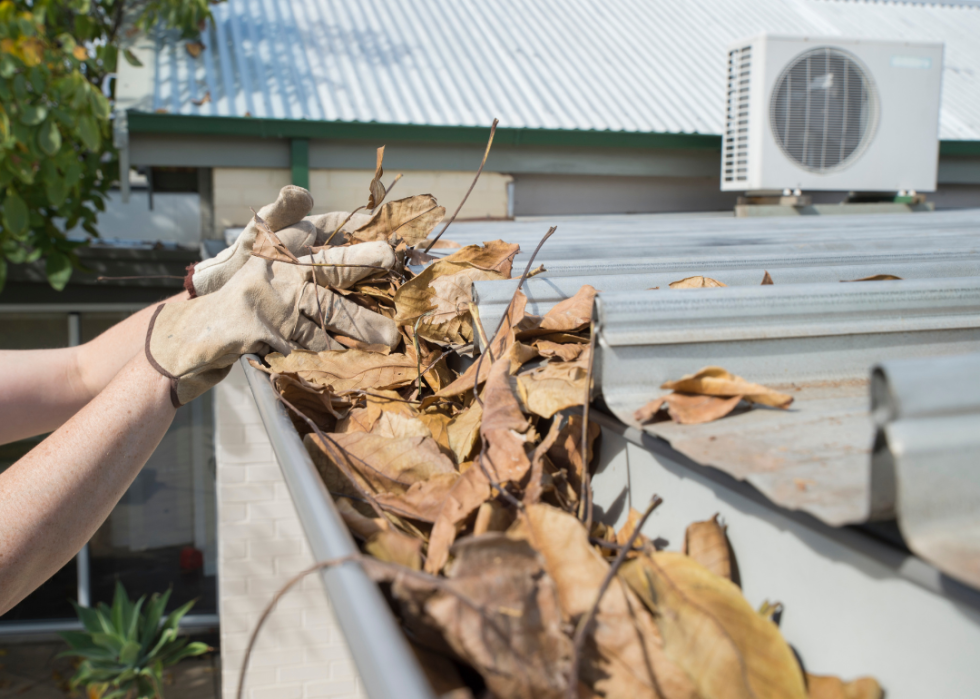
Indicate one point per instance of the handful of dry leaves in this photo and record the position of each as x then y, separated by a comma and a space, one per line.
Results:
466, 483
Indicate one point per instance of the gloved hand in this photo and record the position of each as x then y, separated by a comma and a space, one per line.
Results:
285, 216
266, 306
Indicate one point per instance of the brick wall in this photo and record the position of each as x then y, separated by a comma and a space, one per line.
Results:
237, 189
301, 651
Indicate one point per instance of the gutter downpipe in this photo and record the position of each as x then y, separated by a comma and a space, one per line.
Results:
386, 664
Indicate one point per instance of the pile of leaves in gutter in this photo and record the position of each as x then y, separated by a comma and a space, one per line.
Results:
464, 477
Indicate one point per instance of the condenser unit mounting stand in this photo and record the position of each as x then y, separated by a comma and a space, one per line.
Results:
819, 113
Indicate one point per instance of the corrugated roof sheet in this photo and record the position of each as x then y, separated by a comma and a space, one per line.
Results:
622, 65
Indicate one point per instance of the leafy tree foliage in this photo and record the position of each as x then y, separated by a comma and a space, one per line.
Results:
57, 161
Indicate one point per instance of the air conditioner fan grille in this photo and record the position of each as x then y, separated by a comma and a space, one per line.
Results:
823, 110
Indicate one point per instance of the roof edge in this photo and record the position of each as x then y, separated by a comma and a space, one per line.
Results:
181, 124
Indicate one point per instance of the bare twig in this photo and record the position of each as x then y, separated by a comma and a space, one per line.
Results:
493, 130
337, 229
585, 622
585, 498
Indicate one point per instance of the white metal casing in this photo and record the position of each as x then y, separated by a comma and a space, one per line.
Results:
900, 149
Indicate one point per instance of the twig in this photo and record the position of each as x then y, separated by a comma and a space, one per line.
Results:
585, 498
392, 185
337, 229
503, 319
585, 622
493, 130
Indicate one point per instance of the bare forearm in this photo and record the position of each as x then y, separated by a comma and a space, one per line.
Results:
41, 389
54, 498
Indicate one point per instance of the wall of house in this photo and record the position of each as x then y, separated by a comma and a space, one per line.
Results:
237, 189
301, 652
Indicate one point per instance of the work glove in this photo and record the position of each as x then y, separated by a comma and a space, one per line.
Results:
267, 306
285, 217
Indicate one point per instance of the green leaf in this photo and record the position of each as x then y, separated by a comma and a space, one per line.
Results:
8, 66
80, 6
191, 650
14, 213
56, 189
49, 137
131, 59
152, 622
129, 653
32, 115
88, 131
109, 641
176, 615
58, 269
98, 103
119, 602
3, 273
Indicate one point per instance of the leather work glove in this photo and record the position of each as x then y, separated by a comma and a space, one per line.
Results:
266, 306
285, 217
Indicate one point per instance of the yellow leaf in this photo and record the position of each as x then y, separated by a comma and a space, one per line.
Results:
346, 370
708, 629
80, 52
696, 283
555, 386
707, 543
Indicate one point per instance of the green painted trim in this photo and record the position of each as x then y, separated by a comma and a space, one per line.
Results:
299, 162
959, 148
179, 124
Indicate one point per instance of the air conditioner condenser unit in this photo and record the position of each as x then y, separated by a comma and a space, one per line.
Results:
814, 113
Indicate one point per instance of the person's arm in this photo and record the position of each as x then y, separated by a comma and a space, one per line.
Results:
41, 389
54, 498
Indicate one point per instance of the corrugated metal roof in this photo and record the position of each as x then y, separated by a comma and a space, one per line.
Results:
624, 65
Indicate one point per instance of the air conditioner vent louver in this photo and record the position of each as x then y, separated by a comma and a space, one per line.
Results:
736, 155
823, 110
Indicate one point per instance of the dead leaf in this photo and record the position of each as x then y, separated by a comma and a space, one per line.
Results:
363, 418
359, 524
766, 280
442, 674
395, 425
204, 100
517, 643
438, 424
826, 687
410, 219
875, 278
346, 370
688, 409
467, 494
464, 432
267, 244
715, 381
624, 655
696, 283
447, 301
710, 631
493, 516
535, 485
376, 190
565, 352
555, 386
503, 426
707, 543
571, 315
626, 531
566, 452
395, 547
357, 344
194, 48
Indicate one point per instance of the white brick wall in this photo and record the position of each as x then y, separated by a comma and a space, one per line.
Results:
301, 652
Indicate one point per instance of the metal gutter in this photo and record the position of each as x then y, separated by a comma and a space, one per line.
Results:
927, 447
814, 341
385, 662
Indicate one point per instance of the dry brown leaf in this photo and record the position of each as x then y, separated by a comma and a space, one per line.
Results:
194, 48
710, 631
624, 655
410, 219
566, 452
517, 355
626, 531
707, 543
536, 486
408, 475
396, 425
376, 190
715, 381
563, 338
267, 244
554, 387
464, 432
826, 687
566, 352
469, 492
503, 426
395, 547
766, 280
875, 278
442, 674
517, 643
447, 301
363, 419
688, 409
438, 424
346, 370
696, 283
351, 343
571, 315
359, 524
493, 516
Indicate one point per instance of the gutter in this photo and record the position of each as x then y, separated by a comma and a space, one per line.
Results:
385, 663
